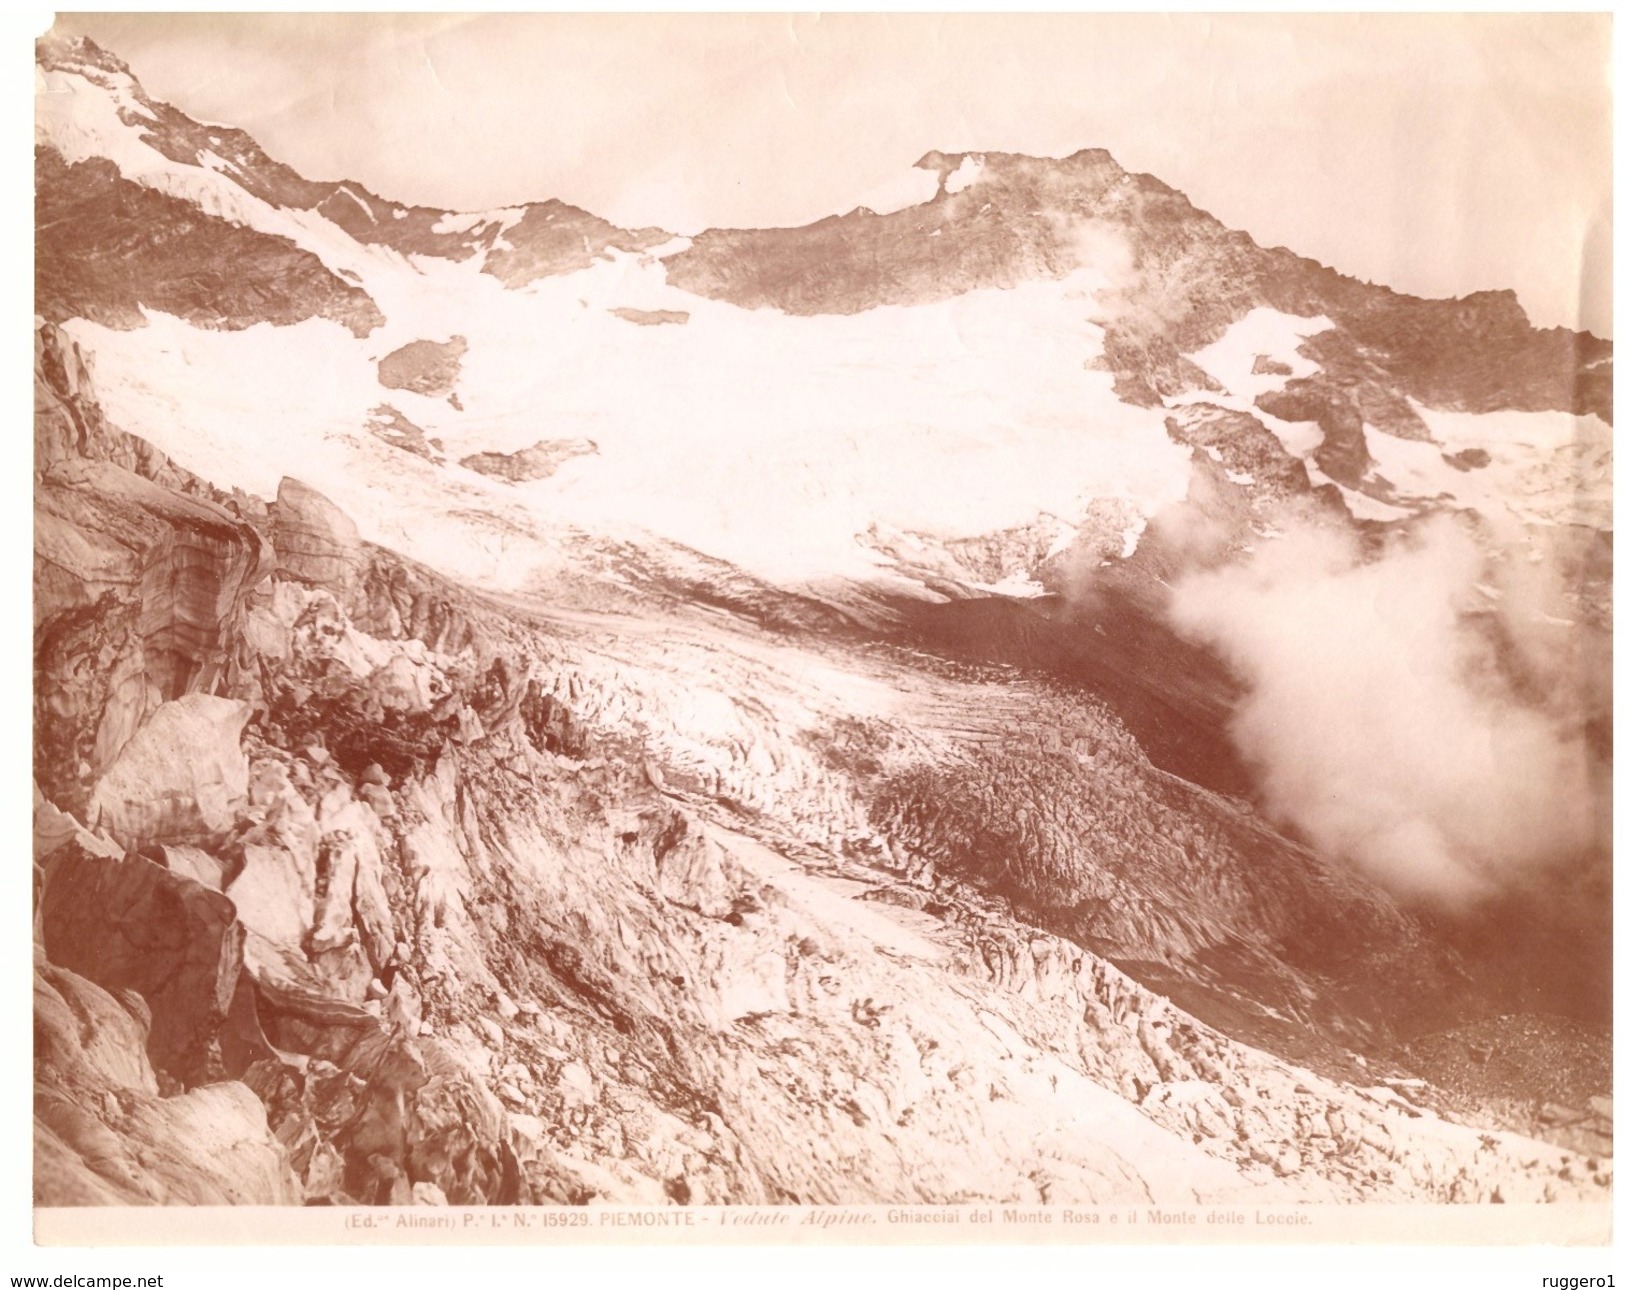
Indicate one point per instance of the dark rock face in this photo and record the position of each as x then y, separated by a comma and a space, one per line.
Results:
955, 243
1342, 454
107, 246
132, 925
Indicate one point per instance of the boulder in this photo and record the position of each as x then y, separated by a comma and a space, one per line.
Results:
181, 778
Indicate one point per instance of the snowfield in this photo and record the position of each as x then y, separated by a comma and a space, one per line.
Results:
768, 441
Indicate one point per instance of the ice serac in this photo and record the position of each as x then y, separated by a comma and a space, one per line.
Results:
131, 924
141, 572
315, 542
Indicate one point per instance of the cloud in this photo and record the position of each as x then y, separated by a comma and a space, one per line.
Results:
1386, 724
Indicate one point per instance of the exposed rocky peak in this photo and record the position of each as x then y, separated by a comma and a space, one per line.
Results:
1173, 277
1022, 219
517, 246
1177, 278
174, 134
79, 54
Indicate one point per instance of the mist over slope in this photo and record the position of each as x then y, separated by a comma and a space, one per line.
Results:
1381, 723
1026, 695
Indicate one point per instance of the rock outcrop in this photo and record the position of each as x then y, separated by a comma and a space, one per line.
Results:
425, 367
1019, 221
100, 256
538, 461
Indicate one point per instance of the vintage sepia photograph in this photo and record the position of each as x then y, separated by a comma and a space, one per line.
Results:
854, 627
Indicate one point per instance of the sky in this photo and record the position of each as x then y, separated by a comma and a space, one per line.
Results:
1439, 154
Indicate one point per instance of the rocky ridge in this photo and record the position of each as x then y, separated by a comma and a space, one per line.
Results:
1024, 217
87, 213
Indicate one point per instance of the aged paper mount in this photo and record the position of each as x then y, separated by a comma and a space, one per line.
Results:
842, 1224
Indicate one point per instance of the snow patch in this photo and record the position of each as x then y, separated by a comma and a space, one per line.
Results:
213, 161
912, 188
967, 173
1016, 585
452, 222
1266, 334
360, 201
1300, 438
1542, 467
